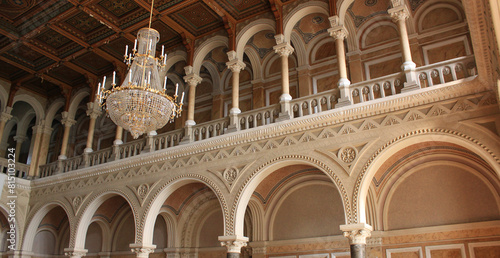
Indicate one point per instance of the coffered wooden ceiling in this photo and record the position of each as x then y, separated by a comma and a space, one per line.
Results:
47, 46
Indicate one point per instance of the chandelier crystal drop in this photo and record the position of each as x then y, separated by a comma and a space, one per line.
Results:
140, 104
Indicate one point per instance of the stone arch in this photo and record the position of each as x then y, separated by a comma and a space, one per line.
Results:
248, 31
75, 102
201, 52
23, 124
254, 58
427, 7
217, 88
105, 232
175, 57
315, 45
87, 211
171, 223
258, 175
34, 103
300, 11
52, 111
257, 219
375, 23
299, 49
36, 218
152, 208
388, 149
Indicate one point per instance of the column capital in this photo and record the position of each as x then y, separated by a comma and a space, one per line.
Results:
5, 115
142, 250
20, 138
66, 120
283, 49
236, 65
338, 32
192, 79
93, 110
399, 13
357, 233
233, 243
75, 252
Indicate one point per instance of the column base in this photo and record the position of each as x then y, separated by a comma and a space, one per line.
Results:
343, 103
188, 135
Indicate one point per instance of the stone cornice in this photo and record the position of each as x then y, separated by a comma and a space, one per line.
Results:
328, 118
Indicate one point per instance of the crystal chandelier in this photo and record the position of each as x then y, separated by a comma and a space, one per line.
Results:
140, 104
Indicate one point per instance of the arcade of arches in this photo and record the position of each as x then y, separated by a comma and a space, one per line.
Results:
407, 168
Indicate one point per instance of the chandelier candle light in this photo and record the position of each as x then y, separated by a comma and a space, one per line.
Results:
141, 104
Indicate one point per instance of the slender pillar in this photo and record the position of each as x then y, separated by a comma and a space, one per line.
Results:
46, 132
75, 253
19, 139
67, 122
192, 80
284, 49
399, 14
357, 234
233, 245
142, 250
36, 144
339, 33
236, 66
116, 143
4, 117
93, 111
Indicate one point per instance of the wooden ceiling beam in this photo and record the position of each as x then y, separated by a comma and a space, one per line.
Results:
214, 6
49, 78
164, 15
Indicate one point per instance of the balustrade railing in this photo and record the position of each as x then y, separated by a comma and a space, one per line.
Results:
210, 129
446, 71
315, 103
429, 75
20, 170
259, 117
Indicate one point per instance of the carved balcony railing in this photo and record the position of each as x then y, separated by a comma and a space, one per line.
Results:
20, 170
313, 104
428, 76
259, 117
447, 71
210, 129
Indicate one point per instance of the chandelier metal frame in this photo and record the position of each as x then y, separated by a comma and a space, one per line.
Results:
140, 104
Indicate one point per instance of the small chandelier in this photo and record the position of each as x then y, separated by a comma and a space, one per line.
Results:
140, 104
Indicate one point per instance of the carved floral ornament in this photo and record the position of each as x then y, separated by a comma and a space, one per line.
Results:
142, 190
230, 174
347, 154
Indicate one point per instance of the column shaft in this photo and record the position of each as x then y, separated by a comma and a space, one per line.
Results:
285, 81
118, 135
358, 250
236, 89
192, 95
90, 136
339, 43
64, 144
405, 42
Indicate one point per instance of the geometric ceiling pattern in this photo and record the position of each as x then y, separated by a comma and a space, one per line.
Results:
49, 46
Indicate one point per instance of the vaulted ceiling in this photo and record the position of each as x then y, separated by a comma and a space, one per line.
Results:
47, 46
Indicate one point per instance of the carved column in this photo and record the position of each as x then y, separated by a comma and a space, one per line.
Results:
284, 49
75, 253
19, 139
67, 122
339, 33
141, 250
233, 245
399, 14
236, 66
192, 80
357, 234
93, 111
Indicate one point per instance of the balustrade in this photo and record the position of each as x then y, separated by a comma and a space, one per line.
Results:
21, 170
429, 75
